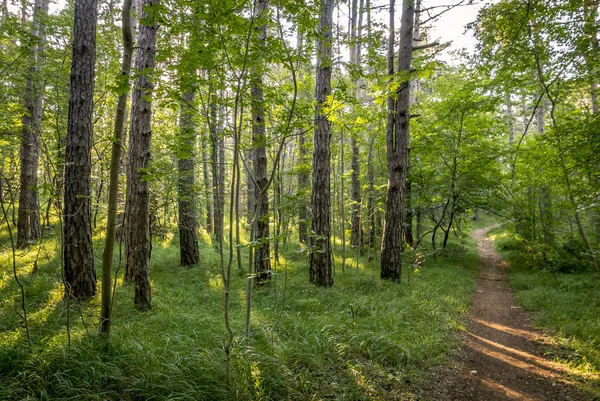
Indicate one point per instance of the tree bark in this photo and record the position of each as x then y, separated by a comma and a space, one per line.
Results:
207, 191
115, 160
320, 255
137, 237
79, 272
189, 253
355, 189
303, 173
262, 257
397, 134
28, 227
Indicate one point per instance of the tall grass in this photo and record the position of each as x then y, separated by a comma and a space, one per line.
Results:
362, 339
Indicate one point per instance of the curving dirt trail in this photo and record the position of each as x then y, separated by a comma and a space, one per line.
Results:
501, 356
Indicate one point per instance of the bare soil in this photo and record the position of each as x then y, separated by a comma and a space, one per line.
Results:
502, 357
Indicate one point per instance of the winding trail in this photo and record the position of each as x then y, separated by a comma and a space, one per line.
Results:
501, 356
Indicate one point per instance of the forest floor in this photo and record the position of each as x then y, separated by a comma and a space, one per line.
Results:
502, 357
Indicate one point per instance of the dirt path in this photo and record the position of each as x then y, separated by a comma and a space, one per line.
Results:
501, 356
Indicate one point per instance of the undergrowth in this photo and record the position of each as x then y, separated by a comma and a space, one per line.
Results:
361, 339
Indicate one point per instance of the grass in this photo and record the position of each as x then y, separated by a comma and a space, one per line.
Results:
566, 303
362, 339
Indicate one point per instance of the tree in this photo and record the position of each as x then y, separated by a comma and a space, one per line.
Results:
137, 238
262, 257
115, 167
189, 253
397, 134
28, 227
320, 253
79, 272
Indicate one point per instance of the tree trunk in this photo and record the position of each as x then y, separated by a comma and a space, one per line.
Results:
189, 253
371, 206
320, 255
207, 191
262, 258
28, 227
115, 160
303, 172
216, 167
137, 237
397, 134
249, 187
414, 86
79, 272
355, 228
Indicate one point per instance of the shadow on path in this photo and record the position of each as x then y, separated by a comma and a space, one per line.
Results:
501, 356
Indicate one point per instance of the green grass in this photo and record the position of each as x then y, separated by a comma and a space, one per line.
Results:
361, 339
566, 303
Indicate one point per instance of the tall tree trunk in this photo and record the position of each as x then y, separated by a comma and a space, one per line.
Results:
397, 134
79, 272
137, 237
590, 11
216, 169
262, 257
320, 256
371, 206
355, 228
115, 161
249, 186
414, 86
207, 190
304, 170
189, 253
28, 227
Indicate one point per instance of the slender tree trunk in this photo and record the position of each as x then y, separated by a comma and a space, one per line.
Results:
355, 193
320, 256
249, 187
115, 160
28, 227
207, 190
79, 272
371, 206
189, 253
262, 254
590, 11
397, 136
342, 200
217, 189
414, 86
137, 240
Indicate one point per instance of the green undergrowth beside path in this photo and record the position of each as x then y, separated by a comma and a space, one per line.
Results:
566, 303
361, 339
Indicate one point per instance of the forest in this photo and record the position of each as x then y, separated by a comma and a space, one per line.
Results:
299, 200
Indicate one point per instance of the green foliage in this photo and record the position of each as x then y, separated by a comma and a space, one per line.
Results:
362, 337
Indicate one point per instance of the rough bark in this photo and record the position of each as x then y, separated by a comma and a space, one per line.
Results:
28, 227
320, 260
262, 258
217, 155
249, 186
414, 86
303, 172
189, 253
207, 191
355, 189
397, 134
79, 272
115, 167
371, 206
137, 237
